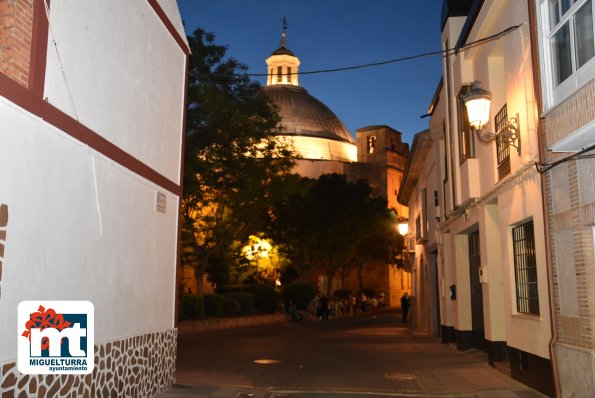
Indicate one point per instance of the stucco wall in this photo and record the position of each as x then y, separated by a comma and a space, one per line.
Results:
81, 228
122, 70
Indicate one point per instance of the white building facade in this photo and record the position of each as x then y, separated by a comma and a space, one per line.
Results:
419, 190
92, 100
479, 195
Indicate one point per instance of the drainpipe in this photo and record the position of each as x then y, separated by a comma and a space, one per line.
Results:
531, 5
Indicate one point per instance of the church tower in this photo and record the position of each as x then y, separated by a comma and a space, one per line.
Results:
283, 64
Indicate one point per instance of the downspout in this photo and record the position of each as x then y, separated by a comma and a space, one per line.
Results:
532, 9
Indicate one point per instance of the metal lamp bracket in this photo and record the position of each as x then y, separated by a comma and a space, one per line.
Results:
509, 133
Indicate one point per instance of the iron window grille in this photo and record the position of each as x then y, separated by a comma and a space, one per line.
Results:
525, 269
502, 147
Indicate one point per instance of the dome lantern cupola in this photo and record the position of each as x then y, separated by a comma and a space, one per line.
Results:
282, 65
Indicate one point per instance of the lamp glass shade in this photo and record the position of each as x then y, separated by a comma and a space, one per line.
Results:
478, 111
403, 229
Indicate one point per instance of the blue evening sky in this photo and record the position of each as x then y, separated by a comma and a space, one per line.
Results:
337, 33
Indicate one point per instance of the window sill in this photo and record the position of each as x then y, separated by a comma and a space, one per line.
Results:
528, 317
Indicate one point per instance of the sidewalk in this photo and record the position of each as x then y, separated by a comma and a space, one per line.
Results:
361, 356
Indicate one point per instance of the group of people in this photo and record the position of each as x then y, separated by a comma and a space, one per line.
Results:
323, 308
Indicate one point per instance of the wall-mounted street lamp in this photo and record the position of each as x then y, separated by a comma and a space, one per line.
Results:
403, 257
403, 229
478, 101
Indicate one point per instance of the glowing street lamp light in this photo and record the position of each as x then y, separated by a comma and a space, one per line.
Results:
478, 101
403, 228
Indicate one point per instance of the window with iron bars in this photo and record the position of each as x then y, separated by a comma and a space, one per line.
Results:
525, 269
502, 147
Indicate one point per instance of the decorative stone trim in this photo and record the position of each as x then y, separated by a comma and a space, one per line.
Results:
588, 214
562, 221
570, 326
138, 366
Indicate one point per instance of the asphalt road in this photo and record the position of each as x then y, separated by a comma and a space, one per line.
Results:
361, 356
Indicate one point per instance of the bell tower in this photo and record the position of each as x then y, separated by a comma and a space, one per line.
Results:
282, 65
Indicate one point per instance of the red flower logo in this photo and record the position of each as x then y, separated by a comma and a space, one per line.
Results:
45, 319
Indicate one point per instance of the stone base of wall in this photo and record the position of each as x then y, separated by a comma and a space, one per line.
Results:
138, 366
203, 325
576, 368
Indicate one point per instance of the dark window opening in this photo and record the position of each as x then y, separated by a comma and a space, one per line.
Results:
525, 269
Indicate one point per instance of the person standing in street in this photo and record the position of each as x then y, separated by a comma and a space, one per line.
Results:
324, 308
405, 305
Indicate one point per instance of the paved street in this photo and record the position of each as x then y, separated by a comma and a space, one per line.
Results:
360, 356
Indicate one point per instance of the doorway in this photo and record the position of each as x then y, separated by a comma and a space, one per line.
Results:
476, 293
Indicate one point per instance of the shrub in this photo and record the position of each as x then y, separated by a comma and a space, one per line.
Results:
342, 294
231, 307
246, 301
266, 298
300, 292
224, 289
214, 305
191, 307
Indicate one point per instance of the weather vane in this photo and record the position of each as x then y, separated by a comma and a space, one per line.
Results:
284, 20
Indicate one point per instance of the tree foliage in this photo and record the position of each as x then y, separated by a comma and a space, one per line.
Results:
336, 226
231, 154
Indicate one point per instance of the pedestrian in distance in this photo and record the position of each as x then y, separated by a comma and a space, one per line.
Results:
373, 306
405, 305
294, 313
324, 308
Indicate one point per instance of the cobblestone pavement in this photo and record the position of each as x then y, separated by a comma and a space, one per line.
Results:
361, 356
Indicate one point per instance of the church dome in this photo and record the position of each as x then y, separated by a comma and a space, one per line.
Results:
304, 115
283, 51
314, 130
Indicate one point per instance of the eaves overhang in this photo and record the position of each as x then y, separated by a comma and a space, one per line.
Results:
469, 22
454, 8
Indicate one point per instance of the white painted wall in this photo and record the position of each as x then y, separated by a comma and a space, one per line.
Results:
170, 7
123, 74
67, 240
530, 333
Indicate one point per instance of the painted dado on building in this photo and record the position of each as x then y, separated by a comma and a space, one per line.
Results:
91, 131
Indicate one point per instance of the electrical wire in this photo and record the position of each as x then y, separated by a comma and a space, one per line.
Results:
448, 51
545, 167
76, 116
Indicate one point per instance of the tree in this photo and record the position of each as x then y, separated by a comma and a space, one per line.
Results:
334, 225
231, 154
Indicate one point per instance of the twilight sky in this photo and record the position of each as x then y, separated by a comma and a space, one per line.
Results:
327, 34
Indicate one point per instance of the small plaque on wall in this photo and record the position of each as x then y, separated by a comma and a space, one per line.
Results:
161, 202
